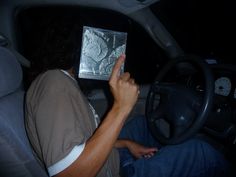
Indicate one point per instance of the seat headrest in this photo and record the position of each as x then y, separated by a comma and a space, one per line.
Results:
10, 72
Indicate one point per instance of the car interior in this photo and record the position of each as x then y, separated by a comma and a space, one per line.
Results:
183, 61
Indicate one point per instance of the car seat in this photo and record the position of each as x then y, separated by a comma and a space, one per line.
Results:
16, 155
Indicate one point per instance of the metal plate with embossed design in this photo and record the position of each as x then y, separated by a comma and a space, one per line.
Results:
100, 49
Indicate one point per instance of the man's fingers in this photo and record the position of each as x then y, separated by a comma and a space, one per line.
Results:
150, 150
116, 69
125, 76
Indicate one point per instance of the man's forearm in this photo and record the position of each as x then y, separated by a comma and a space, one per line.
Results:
121, 143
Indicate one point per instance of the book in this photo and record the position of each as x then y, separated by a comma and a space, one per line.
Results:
99, 52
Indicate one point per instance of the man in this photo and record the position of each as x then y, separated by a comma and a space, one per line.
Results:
62, 130
68, 139
49, 110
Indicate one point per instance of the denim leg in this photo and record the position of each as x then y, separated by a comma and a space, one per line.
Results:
193, 158
136, 129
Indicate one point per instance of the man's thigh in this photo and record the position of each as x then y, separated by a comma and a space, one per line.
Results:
137, 130
193, 158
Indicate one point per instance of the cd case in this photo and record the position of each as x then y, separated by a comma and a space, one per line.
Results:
99, 52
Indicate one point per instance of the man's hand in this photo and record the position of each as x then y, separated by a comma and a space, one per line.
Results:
124, 89
137, 150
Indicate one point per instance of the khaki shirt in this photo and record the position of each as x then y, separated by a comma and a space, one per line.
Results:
58, 118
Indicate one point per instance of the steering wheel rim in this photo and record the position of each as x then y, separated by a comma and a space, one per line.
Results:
204, 108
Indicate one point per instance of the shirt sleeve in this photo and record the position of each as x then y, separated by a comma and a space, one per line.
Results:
66, 161
59, 128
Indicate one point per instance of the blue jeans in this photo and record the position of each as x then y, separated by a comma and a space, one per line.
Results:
193, 158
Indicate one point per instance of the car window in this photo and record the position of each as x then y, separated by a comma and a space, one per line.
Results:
205, 28
143, 55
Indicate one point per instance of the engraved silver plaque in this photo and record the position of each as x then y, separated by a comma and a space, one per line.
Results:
100, 49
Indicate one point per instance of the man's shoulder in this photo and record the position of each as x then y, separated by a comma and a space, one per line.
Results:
53, 76
52, 80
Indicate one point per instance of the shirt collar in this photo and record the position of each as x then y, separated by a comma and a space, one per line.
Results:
68, 74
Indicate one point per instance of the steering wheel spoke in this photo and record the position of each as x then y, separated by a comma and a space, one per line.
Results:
178, 130
163, 88
156, 114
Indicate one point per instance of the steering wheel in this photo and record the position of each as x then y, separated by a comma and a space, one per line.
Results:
175, 107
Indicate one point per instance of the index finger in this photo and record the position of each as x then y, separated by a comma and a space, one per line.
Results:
116, 69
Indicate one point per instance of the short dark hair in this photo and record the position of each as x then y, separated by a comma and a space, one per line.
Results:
59, 45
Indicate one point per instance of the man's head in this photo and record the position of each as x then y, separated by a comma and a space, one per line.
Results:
59, 47
60, 44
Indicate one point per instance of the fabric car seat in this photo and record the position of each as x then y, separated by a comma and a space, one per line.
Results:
16, 156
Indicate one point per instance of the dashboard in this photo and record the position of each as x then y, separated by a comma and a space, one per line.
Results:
221, 122
223, 86
225, 80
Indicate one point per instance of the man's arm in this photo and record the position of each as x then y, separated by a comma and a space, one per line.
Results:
99, 146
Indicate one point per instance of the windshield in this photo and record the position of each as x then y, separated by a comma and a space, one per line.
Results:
205, 28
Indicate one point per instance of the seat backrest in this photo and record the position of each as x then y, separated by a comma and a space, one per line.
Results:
16, 155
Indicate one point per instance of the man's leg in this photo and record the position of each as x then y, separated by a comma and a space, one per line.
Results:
192, 158
136, 130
